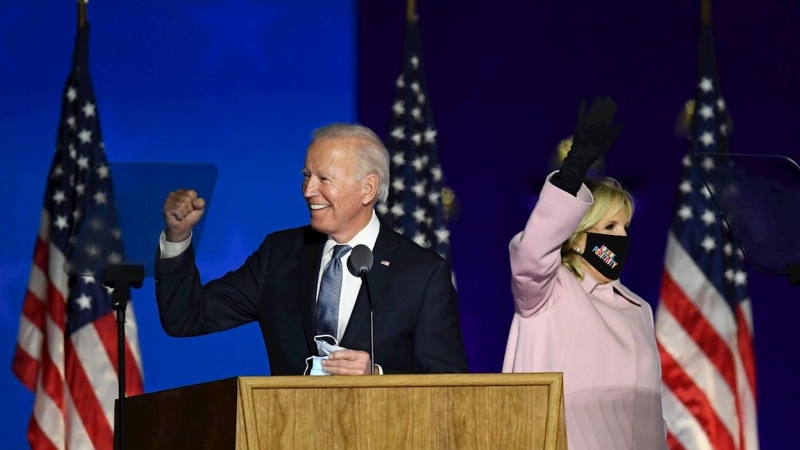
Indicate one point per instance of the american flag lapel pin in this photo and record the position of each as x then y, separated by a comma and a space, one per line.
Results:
385, 262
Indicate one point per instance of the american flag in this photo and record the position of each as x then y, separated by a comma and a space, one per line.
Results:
704, 326
415, 204
67, 345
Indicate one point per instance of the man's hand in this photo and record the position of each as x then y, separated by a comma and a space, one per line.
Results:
347, 362
182, 210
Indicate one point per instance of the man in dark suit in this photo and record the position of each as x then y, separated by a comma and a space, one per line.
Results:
297, 286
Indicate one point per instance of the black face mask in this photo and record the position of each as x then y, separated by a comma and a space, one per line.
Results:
606, 253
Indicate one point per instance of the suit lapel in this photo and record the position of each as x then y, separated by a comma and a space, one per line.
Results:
378, 282
313, 243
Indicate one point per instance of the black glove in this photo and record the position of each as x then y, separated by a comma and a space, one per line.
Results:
594, 134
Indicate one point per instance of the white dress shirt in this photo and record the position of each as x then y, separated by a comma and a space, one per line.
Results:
350, 284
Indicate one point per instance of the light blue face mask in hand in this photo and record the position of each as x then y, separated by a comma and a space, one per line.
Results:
324, 348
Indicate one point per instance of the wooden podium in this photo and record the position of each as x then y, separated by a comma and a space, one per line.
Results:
449, 411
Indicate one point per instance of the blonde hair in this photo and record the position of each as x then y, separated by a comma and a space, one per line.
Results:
609, 199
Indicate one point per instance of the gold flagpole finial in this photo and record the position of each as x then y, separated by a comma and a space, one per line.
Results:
411, 11
449, 204
563, 149
82, 13
705, 11
683, 121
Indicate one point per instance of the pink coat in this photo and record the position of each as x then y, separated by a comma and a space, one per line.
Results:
600, 336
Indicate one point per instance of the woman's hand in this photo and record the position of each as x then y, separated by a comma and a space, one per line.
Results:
594, 134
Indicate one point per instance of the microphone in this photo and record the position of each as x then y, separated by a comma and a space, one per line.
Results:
359, 264
360, 261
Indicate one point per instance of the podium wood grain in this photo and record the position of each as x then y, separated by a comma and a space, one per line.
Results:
453, 411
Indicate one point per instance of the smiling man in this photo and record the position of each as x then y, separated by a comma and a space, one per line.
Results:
296, 284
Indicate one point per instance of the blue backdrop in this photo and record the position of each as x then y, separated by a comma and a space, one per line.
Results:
241, 83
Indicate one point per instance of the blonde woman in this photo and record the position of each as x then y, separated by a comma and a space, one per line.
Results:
572, 314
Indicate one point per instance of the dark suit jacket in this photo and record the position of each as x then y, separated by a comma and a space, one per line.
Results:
416, 318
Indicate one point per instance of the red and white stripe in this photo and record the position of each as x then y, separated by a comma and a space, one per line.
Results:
75, 382
707, 361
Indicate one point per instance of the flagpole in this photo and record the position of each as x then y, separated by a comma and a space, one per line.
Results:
705, 11
411, 11
683, 123
81, 13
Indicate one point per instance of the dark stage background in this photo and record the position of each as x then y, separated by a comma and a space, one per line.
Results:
505, 79
241, 84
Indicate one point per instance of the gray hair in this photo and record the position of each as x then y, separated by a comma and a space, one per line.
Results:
371, 155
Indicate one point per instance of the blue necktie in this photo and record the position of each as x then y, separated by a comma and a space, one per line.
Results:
330, 290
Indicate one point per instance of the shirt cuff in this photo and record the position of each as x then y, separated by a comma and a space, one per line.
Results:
172, 249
